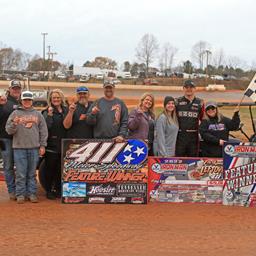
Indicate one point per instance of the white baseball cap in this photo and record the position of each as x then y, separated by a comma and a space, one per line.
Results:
26, 95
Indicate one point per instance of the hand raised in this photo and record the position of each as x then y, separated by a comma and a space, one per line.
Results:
50, 111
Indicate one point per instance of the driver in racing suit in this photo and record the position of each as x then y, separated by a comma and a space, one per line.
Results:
190, 111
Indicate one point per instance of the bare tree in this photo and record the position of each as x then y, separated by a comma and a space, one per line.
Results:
11, 59
235, 62
146, 50
198, 52
218, 58
167, 56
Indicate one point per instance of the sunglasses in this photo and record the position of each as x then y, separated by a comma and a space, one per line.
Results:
210, 108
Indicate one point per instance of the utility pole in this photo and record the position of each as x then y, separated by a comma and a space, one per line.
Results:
208, 53
44, 34
50, 55
49, 52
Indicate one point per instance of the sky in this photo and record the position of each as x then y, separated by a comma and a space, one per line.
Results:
80, 30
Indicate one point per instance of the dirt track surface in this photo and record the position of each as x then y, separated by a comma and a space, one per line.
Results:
51, 228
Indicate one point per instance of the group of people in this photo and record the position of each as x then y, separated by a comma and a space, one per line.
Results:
26, 133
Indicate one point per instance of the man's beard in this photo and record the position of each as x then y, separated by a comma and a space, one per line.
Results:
83, 101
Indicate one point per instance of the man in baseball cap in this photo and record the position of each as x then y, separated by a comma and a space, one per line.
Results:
190, 111
15, 83
109, 115
189, 83
76, 118
108, 83
82, 89
8, 103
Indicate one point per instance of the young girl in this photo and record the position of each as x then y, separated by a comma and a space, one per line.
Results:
166, 130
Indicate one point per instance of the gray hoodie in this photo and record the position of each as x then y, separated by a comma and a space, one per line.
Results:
31, 130
165, 137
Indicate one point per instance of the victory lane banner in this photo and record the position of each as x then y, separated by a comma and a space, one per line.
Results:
102, 171
185, 180
239, 174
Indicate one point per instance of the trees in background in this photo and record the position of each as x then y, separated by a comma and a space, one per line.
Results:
166, 57
146, 51
11, 59
101, 62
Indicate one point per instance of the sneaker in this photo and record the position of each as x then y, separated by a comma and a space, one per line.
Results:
20, 199
12, 196
33, 199
50, 195
58, 194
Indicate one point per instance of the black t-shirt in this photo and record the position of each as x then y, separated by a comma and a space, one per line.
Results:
80, 129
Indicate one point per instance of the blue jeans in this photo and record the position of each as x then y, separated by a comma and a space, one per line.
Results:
9, 175
26, 161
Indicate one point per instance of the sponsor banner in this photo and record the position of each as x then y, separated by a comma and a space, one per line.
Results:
191, 180
239, 174
102, 171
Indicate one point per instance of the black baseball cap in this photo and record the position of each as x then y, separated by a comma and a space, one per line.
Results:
14, 83
189, 83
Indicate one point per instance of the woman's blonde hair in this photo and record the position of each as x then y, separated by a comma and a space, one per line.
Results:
151, 109
173, 118
61, 94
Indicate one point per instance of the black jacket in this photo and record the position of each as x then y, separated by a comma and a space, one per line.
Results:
5, 111
214, 130
56, 130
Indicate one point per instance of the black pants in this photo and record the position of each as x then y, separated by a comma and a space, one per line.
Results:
187, 144
53, 171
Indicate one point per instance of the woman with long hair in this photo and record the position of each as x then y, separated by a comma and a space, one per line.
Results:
54, 116
166, 130
141, 121
214, 129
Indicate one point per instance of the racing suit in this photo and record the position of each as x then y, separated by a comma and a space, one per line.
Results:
189, 114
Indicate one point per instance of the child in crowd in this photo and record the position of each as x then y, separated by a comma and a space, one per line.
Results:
29, 131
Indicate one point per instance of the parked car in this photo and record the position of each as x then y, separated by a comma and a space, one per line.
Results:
62, 76
84, 79
40, 99
150, 81
229, 77
217, 77
100, 76
35, 77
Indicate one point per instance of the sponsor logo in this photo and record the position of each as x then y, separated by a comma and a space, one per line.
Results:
73, 199
137, 200
106, 190
229, 149
110, 176
118, 200
131, 189
132, 152
240, 150
74, 189
156, 168
96, 200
